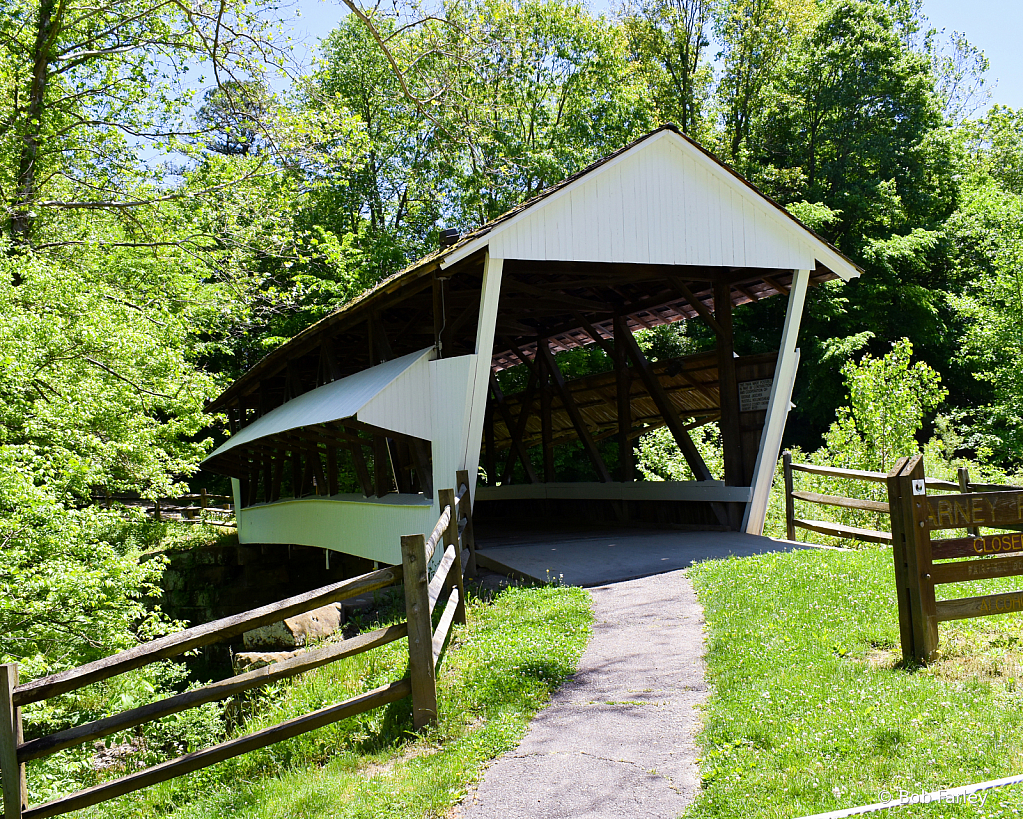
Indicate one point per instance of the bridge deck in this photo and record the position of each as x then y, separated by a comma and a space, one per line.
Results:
599, 556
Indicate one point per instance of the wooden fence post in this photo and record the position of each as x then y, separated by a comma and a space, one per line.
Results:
790, 506
964, 487
469, 535
447, 498
11, 736
420, 631
911, 548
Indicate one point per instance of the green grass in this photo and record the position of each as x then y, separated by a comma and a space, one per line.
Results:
811, 709
499, 671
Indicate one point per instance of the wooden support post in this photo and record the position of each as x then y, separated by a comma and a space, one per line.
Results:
790, 504
381, 464
623, 388
544, 355
901, 561
421, 459
692, 455
964, 487
728, 389
361, 468
278, 476
469, 533
911, 546
777, 408
296, 471
202, 499
420, 631
332, 486
447, 499
546, 422
438, 314
399, 456
518, 429
11, 736
488, 431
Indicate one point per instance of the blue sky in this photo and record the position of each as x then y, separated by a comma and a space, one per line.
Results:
992, 25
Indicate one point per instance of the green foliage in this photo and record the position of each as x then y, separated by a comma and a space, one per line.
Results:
987, 234
889, 398
658, 457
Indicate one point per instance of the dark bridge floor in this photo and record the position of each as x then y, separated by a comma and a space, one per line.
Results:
599, 556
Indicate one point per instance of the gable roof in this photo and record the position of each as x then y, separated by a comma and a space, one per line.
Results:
726, 181
785, 238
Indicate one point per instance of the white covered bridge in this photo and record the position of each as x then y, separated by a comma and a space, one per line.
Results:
340, 437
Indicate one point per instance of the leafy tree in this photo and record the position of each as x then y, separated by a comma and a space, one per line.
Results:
669, 39
888, 399
850, 120
90, 83
233, 115
986, 234
755, 36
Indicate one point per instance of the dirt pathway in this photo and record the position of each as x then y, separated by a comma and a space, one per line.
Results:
617, 738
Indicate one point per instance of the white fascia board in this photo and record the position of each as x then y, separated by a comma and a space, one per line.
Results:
486, 238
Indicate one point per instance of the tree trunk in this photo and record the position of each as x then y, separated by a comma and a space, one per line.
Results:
21, 212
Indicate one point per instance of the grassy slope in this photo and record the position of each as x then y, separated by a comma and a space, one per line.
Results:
812, 710
499, 671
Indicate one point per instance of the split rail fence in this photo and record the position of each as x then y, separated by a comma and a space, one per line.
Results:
424, 590
914, 514
203, 507
843, 530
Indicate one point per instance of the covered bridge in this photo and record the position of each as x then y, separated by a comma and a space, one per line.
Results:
340, 437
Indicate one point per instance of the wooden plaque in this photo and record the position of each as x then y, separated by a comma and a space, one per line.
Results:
965, 570
976, 509
1000, 544
980, 606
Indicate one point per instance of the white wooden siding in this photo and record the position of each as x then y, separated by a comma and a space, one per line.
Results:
658, 205
663, 201
342, 399
366, 527
453, 380
777, 407
406, 404
702, 491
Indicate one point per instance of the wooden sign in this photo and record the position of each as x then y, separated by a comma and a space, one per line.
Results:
914, 516
1005, 543
755, 395
966, 570
978, 509
980, 606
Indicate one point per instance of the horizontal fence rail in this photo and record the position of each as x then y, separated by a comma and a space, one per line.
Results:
424, 590
842, 530
204, 507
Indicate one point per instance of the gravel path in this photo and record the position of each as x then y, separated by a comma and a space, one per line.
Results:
617, 738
